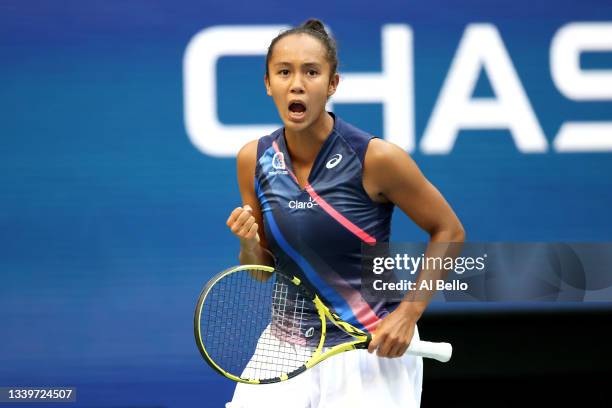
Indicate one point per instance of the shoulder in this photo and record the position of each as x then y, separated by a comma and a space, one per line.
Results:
248, 152
246, 161
388, 168
384, 155
247, 156
383, 163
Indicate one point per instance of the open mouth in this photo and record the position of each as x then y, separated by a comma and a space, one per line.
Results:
297, 110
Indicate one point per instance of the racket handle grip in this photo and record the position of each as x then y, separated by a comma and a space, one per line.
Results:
438, 351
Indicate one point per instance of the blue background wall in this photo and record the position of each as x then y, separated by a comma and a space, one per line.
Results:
111, 220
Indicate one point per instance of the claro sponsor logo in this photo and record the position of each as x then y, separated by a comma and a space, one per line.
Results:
481, 49
302, 205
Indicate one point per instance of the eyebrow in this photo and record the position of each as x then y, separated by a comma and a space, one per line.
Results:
306, 64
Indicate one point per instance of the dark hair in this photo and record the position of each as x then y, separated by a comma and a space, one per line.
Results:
315, 28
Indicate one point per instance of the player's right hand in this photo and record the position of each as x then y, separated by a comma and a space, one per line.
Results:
242, 224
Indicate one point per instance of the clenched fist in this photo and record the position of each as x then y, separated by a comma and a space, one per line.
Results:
243, 225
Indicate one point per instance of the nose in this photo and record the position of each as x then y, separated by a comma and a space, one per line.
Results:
297, 85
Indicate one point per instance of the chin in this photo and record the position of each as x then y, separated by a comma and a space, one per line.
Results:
296, 126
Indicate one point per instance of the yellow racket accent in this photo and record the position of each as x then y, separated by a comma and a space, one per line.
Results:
242, 302
198, 317
258, 273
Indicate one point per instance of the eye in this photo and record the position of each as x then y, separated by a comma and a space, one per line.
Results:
283, 72
313, 72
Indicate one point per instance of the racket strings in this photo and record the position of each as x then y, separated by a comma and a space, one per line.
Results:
258, 328
288, 315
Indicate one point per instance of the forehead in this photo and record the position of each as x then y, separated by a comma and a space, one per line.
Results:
297, 49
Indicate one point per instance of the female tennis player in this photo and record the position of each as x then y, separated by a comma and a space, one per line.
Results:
313, 192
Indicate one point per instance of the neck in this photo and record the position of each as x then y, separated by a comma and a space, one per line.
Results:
305, 144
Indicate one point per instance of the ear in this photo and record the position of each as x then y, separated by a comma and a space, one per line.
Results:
333, 84
267, 84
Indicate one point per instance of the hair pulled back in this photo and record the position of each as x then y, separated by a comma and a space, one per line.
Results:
316, 29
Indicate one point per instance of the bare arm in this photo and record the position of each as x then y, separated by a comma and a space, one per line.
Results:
245, 221
390, 175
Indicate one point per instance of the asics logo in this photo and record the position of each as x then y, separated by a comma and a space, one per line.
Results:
309, 332
333, 162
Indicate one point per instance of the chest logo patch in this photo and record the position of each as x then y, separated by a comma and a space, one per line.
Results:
333, 162
278, 161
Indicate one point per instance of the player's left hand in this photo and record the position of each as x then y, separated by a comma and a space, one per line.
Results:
394, 333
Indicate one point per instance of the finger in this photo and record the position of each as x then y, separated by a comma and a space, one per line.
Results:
240, 221
398, 350
243, 217
374, 343
232, 218
396, 347
246, 227
248, 208
385, 348
404, 349
253, 232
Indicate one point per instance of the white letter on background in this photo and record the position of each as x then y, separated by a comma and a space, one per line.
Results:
393, 87
588, 85
200, 86
482, 47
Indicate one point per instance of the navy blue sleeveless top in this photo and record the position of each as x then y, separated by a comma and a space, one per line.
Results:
317, 232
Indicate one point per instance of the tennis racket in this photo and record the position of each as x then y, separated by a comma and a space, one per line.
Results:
253, 324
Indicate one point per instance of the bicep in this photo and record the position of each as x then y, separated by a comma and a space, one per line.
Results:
422, 202
399, 180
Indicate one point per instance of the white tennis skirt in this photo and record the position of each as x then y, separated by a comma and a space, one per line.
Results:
353, 379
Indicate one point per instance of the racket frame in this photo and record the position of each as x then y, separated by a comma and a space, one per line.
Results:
362, 338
